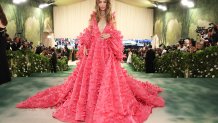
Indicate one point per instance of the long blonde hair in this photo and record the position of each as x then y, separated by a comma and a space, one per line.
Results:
107, 11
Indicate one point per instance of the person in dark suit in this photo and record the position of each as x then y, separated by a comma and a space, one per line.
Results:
5, 75
53, 61
149, 60
73, 54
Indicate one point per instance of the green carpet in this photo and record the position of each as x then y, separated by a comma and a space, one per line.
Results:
136, 74
193, 100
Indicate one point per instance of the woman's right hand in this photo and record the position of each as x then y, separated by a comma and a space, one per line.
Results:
105, 36
85, 52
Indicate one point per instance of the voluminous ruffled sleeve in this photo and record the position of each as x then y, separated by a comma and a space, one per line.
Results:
115, 41
115, 44
84, 39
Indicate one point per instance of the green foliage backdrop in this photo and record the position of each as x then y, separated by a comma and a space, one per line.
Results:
28, 19
202, 64
23, 63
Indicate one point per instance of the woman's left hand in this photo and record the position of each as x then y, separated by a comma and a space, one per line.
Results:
105, 36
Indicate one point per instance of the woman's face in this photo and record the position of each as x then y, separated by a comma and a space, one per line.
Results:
102, 4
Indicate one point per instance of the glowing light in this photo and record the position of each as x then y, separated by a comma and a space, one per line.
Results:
162, 7
19, 1
188, 3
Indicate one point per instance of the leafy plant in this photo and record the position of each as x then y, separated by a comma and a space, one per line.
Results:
24, 62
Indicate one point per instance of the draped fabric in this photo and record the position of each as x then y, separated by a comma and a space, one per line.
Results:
99, 90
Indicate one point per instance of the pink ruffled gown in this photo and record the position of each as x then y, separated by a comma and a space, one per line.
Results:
99, 90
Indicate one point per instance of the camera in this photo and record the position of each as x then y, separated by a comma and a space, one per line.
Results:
203, 32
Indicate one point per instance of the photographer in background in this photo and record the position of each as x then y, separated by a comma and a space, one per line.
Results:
209, 36
5, 75
53, 60
214, 35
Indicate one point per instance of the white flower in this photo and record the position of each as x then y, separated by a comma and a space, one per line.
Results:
211, 69
28, 64
206, 56
213, 76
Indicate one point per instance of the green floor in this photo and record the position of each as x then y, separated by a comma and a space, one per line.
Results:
193, 100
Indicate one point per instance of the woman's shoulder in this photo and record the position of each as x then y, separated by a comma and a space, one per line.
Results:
93, 14
113, 19
92, 18
113, 14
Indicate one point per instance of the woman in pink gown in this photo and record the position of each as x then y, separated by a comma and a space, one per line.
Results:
99, 90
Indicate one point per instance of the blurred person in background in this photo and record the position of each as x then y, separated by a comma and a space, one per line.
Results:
5, 75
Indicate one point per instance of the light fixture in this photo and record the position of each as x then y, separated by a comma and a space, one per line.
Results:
188, 3
184, 2
44, 5
191, 4
154, 4
162, 7
19, 1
